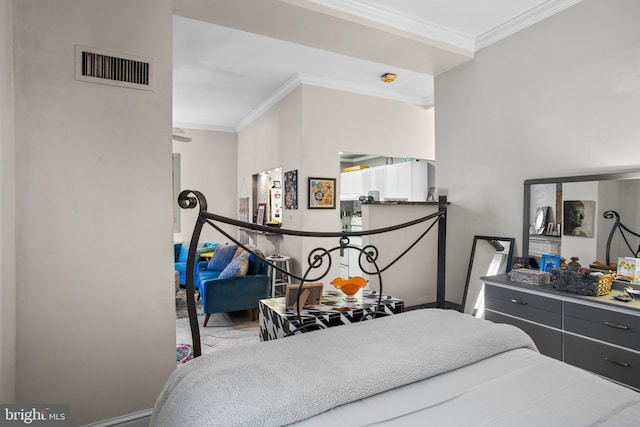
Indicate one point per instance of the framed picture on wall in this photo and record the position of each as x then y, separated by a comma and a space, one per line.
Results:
322, 193
243, 209
262, 211
291, 189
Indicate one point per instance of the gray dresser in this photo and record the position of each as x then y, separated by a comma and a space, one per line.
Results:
599, 334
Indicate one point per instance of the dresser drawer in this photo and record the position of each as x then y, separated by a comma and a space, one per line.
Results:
548, 341
535, 308
602, 324
609, 361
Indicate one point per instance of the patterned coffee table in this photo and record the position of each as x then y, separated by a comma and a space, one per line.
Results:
276, 321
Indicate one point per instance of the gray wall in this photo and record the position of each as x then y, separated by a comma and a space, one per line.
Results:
7, 209
208, 164
95, 317
559, 98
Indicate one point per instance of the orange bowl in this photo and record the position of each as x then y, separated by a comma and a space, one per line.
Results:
349, 287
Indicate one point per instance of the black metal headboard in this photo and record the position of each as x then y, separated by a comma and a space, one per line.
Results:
617, 225
189, 199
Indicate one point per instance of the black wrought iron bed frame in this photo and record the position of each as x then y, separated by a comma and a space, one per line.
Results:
617, 225
189, 199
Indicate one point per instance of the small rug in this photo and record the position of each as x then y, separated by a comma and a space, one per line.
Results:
184, 353
181, 305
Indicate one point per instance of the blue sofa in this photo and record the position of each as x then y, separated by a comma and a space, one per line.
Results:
235, 293
180, 254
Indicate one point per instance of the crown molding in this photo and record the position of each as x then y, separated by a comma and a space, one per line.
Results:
390, 19
202, 126
523, 21
273, 99
327, 83
425, 29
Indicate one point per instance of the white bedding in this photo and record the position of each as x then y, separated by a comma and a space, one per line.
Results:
441, 357
517, 388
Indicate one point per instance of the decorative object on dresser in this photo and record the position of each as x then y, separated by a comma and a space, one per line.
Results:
548, 262
583, 282
530, 277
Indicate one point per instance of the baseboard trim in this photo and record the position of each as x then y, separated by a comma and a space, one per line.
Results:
136, 419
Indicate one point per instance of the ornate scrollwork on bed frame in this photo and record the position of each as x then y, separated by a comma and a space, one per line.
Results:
318, 259
617, 225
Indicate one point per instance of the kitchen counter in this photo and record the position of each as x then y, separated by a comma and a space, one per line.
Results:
392, 203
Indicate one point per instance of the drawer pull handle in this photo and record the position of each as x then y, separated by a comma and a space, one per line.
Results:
517, 301
616, 325
617, 362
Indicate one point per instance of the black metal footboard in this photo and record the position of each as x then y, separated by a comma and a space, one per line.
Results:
319, 259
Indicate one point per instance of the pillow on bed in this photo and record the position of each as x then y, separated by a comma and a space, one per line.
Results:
237, 267
221, 257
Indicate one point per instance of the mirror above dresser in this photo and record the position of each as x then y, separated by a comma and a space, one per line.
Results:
564, 215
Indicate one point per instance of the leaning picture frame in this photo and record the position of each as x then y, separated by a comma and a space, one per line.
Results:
322, 193
549, 262
262, 211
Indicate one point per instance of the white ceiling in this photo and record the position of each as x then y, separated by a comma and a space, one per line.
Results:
234, 59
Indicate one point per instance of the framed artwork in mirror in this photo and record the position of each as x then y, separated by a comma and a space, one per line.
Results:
322, 193
579, 217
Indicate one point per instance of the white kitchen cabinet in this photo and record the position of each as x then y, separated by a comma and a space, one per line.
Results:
351, 185
406, 181
378, 182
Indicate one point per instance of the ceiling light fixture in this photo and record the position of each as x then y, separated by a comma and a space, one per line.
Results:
388, 77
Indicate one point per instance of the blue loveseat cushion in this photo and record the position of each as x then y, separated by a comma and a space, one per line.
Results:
221, 257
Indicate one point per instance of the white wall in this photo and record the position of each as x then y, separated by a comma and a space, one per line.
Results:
275, 140
95, 311
337, 121
413, 278
208, 164
543, 102
7, 210
308, 128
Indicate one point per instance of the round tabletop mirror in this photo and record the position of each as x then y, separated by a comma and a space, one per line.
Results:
540, 220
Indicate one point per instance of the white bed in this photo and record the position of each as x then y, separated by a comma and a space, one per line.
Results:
424, 367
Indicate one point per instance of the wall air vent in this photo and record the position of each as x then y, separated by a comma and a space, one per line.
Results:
111, 68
